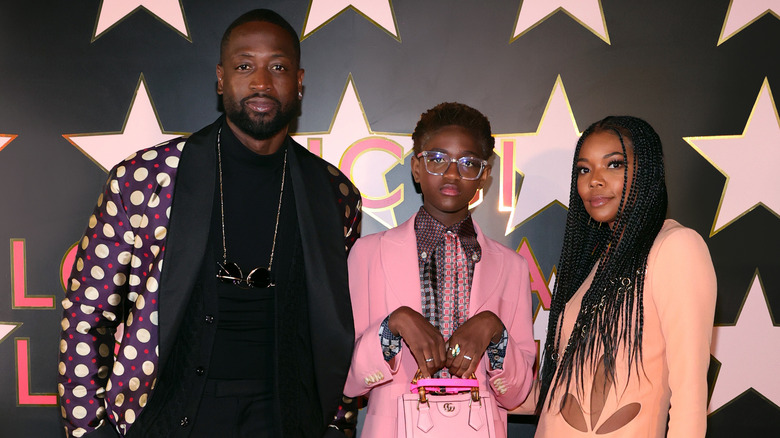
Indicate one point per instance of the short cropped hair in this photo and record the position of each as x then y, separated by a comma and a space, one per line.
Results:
263, 16
454, 114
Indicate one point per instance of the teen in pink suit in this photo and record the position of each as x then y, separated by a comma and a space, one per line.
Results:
385, 272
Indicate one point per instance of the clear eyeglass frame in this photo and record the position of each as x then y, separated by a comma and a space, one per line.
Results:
437, 163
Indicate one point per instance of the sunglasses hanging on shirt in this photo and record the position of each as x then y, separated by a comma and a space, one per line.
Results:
230, 272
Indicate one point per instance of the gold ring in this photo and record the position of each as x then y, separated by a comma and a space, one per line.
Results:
455, 350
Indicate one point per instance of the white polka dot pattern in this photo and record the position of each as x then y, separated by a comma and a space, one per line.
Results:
120, 255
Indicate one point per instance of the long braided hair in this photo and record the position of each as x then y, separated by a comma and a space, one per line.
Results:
611, 314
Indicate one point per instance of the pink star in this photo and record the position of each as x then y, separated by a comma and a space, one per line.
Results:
363, 155
112, 12
544, 158
588, 13
743, 13
6, 328
322, 12
141, 129
747, 351
747, 161
5, 139
541, 319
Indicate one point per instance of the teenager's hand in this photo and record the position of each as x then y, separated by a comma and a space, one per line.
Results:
424, 340
473, 338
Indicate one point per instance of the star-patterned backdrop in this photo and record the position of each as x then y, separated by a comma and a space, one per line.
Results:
87, 82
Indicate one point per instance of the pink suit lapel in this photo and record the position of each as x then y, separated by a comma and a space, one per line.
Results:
398, 252
487, 274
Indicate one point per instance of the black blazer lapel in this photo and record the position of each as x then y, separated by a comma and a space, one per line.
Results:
188, 231
330, 312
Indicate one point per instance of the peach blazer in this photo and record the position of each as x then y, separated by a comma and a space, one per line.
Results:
679, 307
384, 275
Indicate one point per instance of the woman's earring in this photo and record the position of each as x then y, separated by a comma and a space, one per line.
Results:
300, 95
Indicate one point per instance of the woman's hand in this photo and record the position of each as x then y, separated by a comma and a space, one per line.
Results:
424, 340
472, 338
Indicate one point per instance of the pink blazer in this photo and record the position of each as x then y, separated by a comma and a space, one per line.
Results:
384, 275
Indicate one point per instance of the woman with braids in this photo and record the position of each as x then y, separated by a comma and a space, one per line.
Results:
628, 340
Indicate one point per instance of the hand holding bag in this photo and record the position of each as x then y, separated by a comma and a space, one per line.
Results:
445, 408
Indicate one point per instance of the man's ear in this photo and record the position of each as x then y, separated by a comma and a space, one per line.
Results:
220, 72
300, 81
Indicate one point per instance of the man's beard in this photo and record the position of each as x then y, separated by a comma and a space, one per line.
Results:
260, 129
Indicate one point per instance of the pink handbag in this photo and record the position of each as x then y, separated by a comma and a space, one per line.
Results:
445, 408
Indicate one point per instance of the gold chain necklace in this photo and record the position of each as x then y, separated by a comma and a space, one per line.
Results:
229, 272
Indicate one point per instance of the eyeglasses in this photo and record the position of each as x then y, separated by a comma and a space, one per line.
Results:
230, 273
437, 163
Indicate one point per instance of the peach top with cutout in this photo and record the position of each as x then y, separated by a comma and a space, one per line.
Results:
679, 305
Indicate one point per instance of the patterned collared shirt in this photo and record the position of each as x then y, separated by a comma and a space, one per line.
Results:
430, 234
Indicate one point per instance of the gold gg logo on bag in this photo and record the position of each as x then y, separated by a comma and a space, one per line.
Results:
448, 409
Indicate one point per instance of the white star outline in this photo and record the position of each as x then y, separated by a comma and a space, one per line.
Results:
379, 12
743, 13
747, 351
142, 128
113, 12
588, 13
747, 161
544, 160
349, 145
